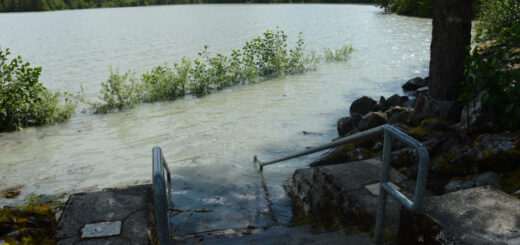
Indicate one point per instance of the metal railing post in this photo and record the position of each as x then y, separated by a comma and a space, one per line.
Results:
385, 167
161, 195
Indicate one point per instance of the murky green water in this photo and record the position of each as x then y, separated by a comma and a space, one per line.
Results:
208, 142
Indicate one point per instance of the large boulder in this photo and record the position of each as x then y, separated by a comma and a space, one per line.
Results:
413, 84
401, 115
446, 110
476, 116
395, 100
362, 106
372, 120
347, 124
489, 152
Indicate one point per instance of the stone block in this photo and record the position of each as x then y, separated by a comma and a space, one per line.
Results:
337, 193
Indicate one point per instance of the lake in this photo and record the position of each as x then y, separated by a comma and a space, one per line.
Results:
208, 142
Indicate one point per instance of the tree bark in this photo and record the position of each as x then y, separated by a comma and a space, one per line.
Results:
451, 35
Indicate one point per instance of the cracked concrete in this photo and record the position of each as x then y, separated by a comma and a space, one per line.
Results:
132, 206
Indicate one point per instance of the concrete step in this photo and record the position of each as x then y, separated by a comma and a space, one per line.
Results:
347, 193
483, 215
293, 235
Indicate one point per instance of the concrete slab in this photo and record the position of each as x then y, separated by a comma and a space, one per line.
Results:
483, 215
101, 229
131, 206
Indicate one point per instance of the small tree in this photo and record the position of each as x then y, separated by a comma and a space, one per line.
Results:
384, 4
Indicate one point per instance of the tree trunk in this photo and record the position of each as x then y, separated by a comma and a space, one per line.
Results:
450, 36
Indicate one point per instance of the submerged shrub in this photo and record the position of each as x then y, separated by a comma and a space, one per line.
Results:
120, 91
264, 57
341, 54
24, 101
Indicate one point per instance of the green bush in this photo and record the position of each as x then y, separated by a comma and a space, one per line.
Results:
341, 54
264, 57
498, 18
419, 8
24, 101
495, 65
120, 91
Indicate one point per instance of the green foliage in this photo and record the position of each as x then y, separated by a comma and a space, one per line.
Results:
44, 5
264, 57
120, 91
24, 101
419, 8
341, 54
495, 66
56, 202
498, 18
384, 4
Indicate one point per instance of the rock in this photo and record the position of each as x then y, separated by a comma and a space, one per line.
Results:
372, 120
476, 116
457, 185
396, 100
403, 117
362, 106
397, 109
434, 124
487, 178
510, 181
404, 158
27, 224
347, 124
343, 154
422, 91
11, 192
489, 152
409, 103
413, 84
420, 103
381, 106
299, 189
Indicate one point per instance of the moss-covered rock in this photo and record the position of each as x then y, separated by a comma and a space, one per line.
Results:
510, 181
489, 152
28, 224
11, 192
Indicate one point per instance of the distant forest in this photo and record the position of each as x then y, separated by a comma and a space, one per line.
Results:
45, 5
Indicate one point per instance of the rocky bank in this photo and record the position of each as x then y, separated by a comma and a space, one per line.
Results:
467, 149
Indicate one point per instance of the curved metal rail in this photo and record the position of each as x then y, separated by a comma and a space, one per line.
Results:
161, 194
389, 134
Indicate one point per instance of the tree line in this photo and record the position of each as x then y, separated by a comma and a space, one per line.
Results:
46, 5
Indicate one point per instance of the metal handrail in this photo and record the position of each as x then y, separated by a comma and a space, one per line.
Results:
161, 195
389, 133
